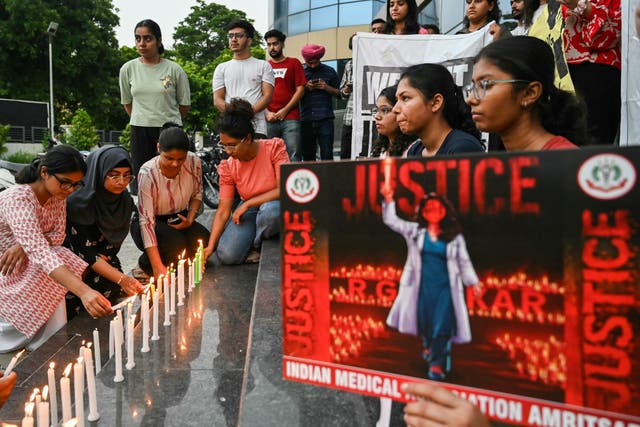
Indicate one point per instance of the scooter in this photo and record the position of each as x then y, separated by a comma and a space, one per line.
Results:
8, 172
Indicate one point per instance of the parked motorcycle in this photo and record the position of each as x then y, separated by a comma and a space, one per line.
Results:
8, 171
210, 179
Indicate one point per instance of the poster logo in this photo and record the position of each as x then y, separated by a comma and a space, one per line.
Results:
607, 176
302, 186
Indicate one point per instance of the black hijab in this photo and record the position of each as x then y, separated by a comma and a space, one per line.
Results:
92, 204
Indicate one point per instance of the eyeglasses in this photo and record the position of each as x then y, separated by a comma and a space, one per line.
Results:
232, 147
383, 111
235, 35
68, 185
121, 178
479, 88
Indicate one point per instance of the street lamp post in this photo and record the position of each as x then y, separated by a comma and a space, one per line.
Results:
51, 32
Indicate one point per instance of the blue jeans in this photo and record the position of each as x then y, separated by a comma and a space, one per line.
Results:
256, 225
289, 130
320, 132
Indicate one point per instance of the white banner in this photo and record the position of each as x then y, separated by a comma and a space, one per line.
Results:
630, 88
379, 59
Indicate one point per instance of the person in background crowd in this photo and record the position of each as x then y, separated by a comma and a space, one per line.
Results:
346, 91
6, 386
244, 76
431, 106
253, 172
391, 141
153, 91
168, 203
431, 29
402, 17
592, 35
378, 26
513, 94
36, 269
98, 219
283, 114
316, 107
523, 11
480, 13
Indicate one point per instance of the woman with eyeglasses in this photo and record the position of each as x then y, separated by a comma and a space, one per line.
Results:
251, 172
169, 199
98, 219
431, 106
390, 141
513, 95
36, 271
153, 91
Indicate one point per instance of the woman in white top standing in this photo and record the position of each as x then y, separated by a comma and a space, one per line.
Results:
153, 91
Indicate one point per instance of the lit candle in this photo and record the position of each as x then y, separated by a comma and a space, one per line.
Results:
181, 282
96, 349
43, 409
27, 421
51, 377
130, 362
78, 389
118, 337
172, 289
126, 320
12, 364
145, 323
81, 354
167, 320
201, 256
36, 396
196, 268
156, 308
91, 384
65, 394
191, 285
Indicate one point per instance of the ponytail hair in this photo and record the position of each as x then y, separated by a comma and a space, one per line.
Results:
59, 159
531, 59
237, 119
431, 79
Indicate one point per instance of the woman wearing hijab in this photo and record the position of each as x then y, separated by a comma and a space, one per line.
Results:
98, 218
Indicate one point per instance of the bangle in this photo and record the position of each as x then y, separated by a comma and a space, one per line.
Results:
120, 279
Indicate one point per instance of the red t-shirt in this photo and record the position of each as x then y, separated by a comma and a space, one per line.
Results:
558, 143
289, 74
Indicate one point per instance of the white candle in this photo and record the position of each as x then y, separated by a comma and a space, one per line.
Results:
27, 421
145, 323
53, 407
118, 337
81, 354
112, 344
12, 364
156, 308
91, 385
181, 283
43, 409
167, 320
126, 321
172, 290
78, 389
191, 285
65, 394
130, 361
96, 350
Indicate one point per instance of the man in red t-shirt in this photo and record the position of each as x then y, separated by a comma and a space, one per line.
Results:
283, 115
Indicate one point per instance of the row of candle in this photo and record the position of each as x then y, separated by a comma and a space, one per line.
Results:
367, 272
341, 295
47, 410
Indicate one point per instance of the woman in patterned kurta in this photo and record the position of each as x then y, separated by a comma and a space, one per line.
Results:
36, 271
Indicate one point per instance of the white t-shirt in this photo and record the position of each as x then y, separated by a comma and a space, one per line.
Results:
243, 79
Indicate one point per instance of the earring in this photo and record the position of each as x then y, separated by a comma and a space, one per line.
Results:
525, 104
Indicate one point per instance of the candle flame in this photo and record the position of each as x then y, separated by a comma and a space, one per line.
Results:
89, 344
33, 395
17, 356
67, 370
184, 252
28, 409
52, 365
45, 392
82, 343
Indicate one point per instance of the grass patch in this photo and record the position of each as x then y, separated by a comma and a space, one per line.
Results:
20, 157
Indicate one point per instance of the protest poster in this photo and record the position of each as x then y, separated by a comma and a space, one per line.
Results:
553, 242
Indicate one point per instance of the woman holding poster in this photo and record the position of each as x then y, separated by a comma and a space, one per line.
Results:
430, 300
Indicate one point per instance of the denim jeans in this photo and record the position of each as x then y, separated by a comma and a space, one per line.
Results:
318, 132
289, 130
256, 225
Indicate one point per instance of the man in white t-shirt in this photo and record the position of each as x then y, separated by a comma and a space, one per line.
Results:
244, 76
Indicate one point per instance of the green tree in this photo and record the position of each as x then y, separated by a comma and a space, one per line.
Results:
85, 56
82, 134
4, 137
202, 36
125, 137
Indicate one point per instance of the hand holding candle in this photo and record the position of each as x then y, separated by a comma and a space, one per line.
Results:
12, 364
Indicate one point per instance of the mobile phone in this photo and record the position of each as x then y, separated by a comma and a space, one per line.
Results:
174, 220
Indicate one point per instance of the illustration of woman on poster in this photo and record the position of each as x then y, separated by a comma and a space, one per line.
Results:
430, 301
